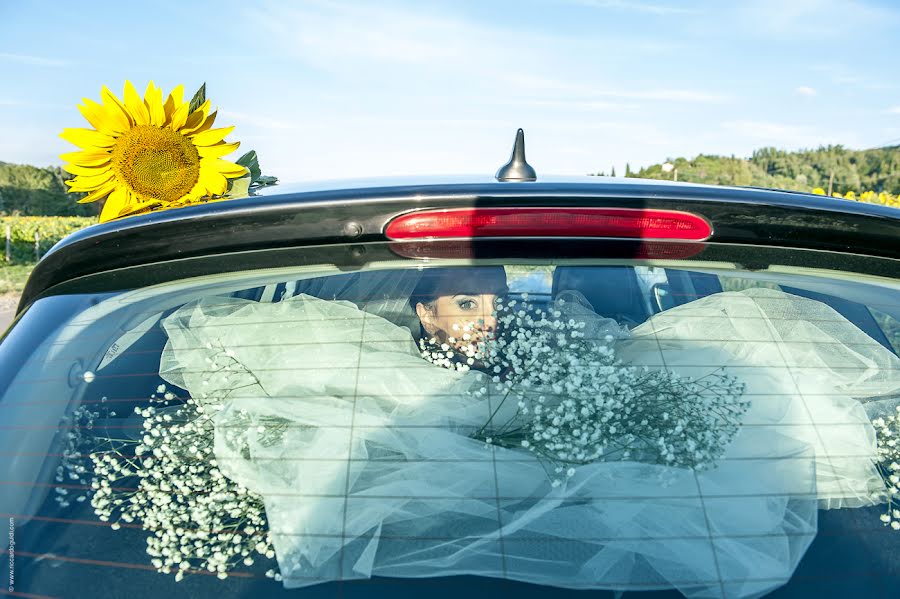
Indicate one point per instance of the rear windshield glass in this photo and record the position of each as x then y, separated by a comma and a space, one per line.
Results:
677, 429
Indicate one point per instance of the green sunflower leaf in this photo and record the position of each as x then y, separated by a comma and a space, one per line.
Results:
264, 180
251, 161
198, 99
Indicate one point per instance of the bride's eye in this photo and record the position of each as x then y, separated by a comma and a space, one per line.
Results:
467, 304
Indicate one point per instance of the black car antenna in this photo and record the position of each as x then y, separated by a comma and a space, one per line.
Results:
517, 169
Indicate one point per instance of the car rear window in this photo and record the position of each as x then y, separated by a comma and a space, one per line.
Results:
534, 426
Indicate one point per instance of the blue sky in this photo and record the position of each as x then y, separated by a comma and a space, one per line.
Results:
344, 89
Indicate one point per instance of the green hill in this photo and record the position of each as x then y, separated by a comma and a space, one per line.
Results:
34, 191
848, 170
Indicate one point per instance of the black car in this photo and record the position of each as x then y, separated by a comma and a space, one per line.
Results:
794, 503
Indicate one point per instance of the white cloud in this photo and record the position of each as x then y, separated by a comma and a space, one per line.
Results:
335, 37
805, 90
640, 7
814, 18
262, 122
860, 77
893, 110
378, 45
787, 136
763, 129
32, 60
579, 105
35, 106
671, 95
579, 90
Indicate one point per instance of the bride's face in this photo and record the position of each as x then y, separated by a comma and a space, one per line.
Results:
459, 316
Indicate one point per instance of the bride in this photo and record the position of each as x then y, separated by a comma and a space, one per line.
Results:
376, 471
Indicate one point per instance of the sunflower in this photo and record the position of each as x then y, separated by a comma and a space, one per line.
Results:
143, 154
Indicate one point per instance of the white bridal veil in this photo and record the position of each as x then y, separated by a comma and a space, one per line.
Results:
374, 472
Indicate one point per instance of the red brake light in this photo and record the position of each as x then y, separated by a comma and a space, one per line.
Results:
630, 223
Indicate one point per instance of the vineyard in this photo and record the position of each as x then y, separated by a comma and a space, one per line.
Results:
27, 238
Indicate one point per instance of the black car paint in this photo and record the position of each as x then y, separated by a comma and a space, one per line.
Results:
360, 215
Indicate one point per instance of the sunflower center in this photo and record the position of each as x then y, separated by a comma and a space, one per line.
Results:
156, 162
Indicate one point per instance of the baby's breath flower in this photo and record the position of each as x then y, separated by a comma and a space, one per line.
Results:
167, 480
887, 430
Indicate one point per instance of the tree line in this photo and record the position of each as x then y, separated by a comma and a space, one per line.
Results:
35, 191
834, 169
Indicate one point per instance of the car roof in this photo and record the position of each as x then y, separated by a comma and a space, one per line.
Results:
459, 179
487, 182
357, 211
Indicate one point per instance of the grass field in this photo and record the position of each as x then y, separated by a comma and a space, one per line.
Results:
13, 277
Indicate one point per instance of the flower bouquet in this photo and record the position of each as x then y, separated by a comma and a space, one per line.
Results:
576, 403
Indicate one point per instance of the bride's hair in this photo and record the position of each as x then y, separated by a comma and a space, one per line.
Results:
475, 280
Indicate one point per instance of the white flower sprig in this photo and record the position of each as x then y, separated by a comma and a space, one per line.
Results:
79, 438
173, 487
169, 482
887, 430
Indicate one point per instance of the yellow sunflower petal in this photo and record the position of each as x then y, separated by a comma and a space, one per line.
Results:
217, 150
196, 118
173, 102
229, 169
115, 203
133, 199
180, 116
169, 109
193, 120
98, 193
206, 125
125, 205
115, 108
196, 192
135, 105
141, 203
212, 136
86, 158
90, 182
154, 103
177, 95
135, 209
87, 138
214, 182
102, 121
80, 169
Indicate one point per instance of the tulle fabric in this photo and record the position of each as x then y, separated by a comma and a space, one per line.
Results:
375, 473
812, 375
